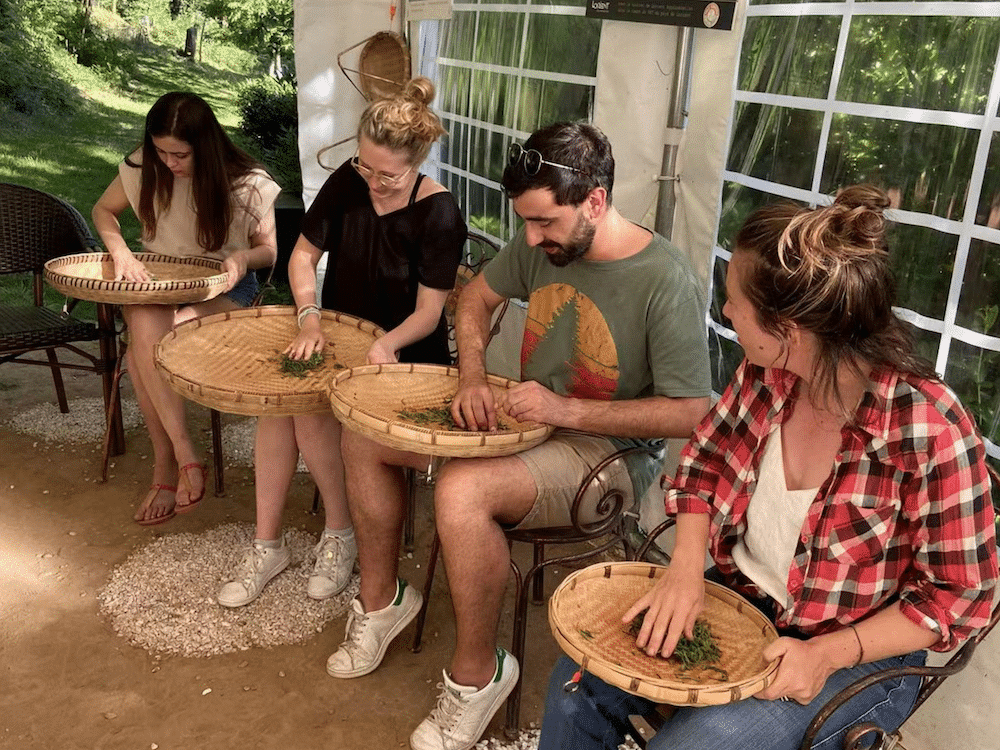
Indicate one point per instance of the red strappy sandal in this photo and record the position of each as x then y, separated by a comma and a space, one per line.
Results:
184, 482
155, 490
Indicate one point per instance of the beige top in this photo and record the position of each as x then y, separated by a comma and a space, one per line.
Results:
774, 519
177, 229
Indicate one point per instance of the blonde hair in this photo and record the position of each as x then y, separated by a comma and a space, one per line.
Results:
826, 270
404, 122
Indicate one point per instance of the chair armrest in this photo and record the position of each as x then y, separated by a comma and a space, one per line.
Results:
853, 739
611, 504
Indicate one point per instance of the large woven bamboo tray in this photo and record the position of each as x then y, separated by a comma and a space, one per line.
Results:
231, 361
585, 614
176, 281
369, 399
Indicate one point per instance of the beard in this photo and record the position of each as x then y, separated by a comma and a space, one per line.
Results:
579, 242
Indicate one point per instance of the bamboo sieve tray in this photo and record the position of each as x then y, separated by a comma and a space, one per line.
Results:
585, 614
177, 281
231, 361
368, 400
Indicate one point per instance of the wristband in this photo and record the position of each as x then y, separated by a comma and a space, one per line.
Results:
861, 649
305, 312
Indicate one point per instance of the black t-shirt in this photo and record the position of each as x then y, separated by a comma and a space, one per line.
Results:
376, 262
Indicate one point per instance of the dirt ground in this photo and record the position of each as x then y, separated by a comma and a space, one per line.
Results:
68, 681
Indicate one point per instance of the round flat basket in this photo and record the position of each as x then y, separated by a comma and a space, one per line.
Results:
585, 614
378, 401
232, 361
176, 281
383, 66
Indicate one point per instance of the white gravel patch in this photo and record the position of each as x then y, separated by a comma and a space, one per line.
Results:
83, 424
238, 437
162, 598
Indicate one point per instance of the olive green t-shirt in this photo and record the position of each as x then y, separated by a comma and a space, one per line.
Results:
609, 330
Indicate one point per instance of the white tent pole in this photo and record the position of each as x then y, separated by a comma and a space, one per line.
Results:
666, 197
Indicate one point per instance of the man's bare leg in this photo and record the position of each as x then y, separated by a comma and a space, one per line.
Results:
376, 493
472, 497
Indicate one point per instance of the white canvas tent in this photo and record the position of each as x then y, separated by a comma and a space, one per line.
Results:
634, 73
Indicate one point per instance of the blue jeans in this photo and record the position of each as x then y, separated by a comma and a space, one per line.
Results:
595, 717
245, 290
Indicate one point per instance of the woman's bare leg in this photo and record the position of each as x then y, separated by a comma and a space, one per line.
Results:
318, 437
275, 457
148, 323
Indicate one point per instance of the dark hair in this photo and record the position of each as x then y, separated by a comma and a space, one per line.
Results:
404, 122
826, 270
579, 145
219, 165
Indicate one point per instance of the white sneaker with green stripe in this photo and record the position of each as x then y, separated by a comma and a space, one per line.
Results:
463, 712
370, 633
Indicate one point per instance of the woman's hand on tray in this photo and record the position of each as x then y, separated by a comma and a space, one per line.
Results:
309, 340
672, 605
379, 354
129, 268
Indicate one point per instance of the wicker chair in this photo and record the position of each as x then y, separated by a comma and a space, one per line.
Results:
35, 227
863, 736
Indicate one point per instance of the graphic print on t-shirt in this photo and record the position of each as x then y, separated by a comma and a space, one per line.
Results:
567, 344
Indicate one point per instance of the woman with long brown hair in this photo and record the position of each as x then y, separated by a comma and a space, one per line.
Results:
195, 194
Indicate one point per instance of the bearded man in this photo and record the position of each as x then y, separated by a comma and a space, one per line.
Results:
614, 355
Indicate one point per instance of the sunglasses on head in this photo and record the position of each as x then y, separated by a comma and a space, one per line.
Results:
532, 160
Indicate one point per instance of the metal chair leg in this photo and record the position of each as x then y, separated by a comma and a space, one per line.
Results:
428, 582
538, 579
521, 588
411, 509
220, 480
315, 505
113, 414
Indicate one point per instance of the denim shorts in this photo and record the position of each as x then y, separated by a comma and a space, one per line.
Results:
245, 290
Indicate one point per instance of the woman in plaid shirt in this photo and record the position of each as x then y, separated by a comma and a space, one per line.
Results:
838, 484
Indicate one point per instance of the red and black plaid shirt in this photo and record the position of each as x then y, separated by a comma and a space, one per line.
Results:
905, 513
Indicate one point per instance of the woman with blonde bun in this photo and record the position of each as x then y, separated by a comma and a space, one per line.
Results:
838, 484
394, 238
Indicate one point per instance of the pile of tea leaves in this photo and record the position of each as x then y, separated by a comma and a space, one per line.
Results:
431, 415
299, 368
700, 652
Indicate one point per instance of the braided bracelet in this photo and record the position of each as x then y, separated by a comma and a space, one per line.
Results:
305, 311
861, 648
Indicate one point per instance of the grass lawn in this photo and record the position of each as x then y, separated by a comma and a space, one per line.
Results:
75, 155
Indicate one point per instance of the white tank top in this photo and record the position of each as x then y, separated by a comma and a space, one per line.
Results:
774, 519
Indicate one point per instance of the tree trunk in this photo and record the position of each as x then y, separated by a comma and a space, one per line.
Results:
191, 42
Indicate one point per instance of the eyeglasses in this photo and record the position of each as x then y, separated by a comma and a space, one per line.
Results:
533, 160
368, 173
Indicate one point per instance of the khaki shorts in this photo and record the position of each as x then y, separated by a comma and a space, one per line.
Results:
559, 465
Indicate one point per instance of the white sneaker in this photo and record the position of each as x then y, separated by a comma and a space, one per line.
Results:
463, 712
259, 565
334, 564
370, 633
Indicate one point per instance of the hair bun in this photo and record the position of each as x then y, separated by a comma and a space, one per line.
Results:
419, 90
863, 196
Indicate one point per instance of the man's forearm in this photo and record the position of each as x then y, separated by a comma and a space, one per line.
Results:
653, 417
471, 332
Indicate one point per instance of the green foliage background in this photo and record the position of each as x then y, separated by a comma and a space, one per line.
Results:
74, 92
